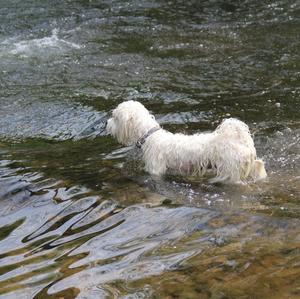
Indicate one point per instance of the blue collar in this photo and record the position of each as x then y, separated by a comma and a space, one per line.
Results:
142, 140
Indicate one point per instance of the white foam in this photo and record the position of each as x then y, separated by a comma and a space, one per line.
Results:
50, 42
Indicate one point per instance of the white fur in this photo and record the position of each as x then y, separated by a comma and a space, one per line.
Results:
228, 152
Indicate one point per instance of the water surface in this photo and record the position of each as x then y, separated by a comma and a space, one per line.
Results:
78, 216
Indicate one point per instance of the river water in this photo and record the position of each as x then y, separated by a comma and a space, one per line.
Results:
78, 216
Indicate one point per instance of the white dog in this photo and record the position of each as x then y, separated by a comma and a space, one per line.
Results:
228, 152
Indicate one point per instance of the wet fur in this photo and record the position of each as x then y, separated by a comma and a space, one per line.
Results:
228, 152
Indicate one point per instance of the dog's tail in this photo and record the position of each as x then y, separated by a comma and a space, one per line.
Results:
258, 171
232, 127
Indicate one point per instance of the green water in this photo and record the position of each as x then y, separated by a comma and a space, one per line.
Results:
79, 218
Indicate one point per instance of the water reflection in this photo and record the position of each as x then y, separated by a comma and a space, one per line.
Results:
63, 240
79, 232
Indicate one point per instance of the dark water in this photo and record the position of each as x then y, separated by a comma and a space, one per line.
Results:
78, 216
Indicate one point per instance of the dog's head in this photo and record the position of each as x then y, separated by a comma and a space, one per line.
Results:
129, 122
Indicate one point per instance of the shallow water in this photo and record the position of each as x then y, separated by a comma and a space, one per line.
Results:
79, 217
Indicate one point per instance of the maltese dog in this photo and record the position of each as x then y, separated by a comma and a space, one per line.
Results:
228, 153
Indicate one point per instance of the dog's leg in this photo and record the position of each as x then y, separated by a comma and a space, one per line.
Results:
156, 167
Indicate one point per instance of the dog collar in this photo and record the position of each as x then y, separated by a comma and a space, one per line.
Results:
142, 140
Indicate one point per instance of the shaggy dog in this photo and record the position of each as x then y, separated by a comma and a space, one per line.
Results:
228, 153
